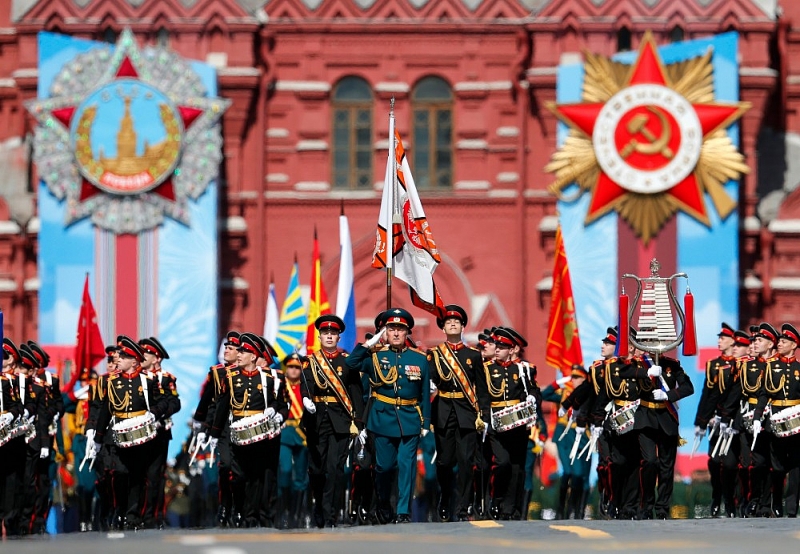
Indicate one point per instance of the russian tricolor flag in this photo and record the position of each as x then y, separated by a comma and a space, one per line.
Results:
345, 296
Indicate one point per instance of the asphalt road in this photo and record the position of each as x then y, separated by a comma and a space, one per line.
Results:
756, 536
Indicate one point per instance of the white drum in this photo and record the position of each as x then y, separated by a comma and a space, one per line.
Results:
514, 416
7, 432
786, 422
254, 428
134, 431
623, 418
747, 420
22, 427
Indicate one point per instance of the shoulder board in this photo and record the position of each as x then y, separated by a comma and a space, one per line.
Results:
344, 354
597, 363
168, 375
233, 372
383, 348
216, 366
487, 363
417, 350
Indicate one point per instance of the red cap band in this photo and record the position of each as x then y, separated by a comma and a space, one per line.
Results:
726, 332
250, 348
329, 325
397, 319
791, 336
503, 340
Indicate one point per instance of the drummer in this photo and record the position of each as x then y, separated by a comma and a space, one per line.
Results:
507, 385
12, 453
781, 390
129, 394
249, 391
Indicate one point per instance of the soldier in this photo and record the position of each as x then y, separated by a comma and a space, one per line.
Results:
780, 389
483, 454
249, 390
333, 419
35, 491
128, 394
507, 385
293, 472
154, 354
203, 419
400, 409
720, 374
461, 398
12, 452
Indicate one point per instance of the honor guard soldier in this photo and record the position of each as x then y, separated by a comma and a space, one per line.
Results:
399, 412
719, 380
249, 391
455, 368
154, 354
293, 472
12, 446
132, 400
333, 419
35, 483
748, 421
780, 390
203, 419
507, 385
483, 454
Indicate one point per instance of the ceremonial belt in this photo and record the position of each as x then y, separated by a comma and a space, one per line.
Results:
450, 359
128, 415
618, 402
246, 413
326, 399
505, 403
395, 401
785, 403
334, 382
752, 401
653, 405
456, 394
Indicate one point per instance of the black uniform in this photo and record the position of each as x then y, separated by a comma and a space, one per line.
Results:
128, 395
35, 490
243, 395
12, 454
507, 385
329, 430
454, 418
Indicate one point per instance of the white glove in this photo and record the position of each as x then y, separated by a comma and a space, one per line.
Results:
159, 425
596, 431
362, 437
25, 413
756, 426
659, 395
196, 425
424, 433
270, 412
580, 430
6, 418
90, 433
699, 431
44, 453
278, 418
731, 431
563, 381
96, 447
375, 338
309, 405
654, 371
212, 444
531, 399
562, 411
201, 439
723, 427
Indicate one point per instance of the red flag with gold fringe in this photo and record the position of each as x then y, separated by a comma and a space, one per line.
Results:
563, 343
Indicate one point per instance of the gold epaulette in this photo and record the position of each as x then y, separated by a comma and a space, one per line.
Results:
232, 372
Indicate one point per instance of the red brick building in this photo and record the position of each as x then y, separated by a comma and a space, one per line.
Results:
311, 83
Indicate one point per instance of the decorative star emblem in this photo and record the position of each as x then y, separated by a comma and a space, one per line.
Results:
127, 136
649, 140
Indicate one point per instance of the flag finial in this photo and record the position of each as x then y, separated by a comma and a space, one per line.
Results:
341, 206
391, 106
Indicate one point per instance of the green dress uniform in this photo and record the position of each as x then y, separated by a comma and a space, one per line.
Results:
400, 410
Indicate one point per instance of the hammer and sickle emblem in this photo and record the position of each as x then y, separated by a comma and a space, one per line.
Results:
656, 145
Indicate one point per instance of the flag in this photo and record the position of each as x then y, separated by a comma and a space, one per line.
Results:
318, 302
414, 256
563, 343
271, 319
292, 325
90, 348
345, 296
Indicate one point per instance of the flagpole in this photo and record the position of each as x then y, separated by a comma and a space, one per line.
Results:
390, 212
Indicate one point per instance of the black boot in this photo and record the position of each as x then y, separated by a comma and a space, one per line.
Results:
526, 503
222, 516
563, 491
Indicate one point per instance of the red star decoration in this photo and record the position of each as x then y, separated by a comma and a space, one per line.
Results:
649, 69
127, 70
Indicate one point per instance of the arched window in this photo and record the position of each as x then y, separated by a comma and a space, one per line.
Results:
352, 134
624, 40
162, 37
110, 36
432, 143
676, 34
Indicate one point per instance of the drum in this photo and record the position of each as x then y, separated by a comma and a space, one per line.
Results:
747, 420
22, 427
623, 418
514, 416
134, 431
253, 428
7, 432
786, 422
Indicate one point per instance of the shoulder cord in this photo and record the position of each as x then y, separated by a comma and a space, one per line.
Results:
709, 378
315, 372
115, 401
444, 377
769, 384
245, 397
494, 391
595, 380
746, 386
616, 393
390, 378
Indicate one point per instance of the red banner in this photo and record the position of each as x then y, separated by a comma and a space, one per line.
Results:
318, 303
563, 342
90, 348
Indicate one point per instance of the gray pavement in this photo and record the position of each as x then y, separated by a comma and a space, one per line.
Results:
755, 536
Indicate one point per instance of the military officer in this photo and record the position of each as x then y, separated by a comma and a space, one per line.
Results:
400, 412
130, 393
719, 380
459, 403
249, 390
332, 420
507, 385
203, 419
154, 354
12, 453
293, 472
